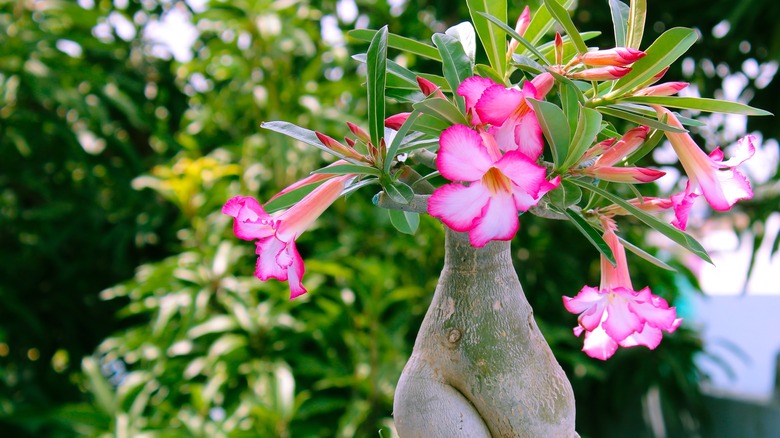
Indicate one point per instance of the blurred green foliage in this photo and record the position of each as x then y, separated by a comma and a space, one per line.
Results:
114, 162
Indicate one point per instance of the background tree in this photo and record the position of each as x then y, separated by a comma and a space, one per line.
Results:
115, 161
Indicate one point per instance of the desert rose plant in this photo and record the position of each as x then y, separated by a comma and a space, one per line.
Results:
550, 127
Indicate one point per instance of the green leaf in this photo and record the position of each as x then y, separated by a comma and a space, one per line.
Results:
555, 128
511, 32
442, 109
542, 22
620, 12
570, 103
399, 136
592, 234
637, 118
301, 134
376, 63
404, 221
346, 169
565, 195
487, 71
456, 64
636, 23
662, 53
646, 111
398, 42
699, 104
430, 125
645, 255
680, 237
398, 191
588, 127
561, 15
408, 77
492, 40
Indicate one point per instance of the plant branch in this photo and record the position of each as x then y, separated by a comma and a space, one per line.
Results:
419, 203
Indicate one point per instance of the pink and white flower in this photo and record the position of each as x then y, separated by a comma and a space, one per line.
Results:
496, 188
275, 234
719, 181
514, 121
615, 314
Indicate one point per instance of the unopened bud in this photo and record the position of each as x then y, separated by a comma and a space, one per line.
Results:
427, 87
601, 73
619, 56
359, 132
665, 89
396, 121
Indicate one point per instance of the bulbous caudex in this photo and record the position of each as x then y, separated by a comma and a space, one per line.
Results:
480, 366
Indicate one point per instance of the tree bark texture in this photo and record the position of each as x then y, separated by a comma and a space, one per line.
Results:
480, 366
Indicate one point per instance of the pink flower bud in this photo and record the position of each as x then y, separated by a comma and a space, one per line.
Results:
339, 148
543, 83
601, 73
427, 87
359, 132
665, 89
395, 122
619, 56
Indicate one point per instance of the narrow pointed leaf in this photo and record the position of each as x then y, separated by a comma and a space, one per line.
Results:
430, 125
593, 235
645, 255
404, 221
677, 236
652, 140
662, 53
456, 64
555, 128
511, 32
620, 12
588, 127
399, 137
636, 23
646, 111
345, 169
542, 22
406, 75
487, 71
376, 63
561, 15
301, 134
565, 195
398, 42
699, 104
492, 40
637, 118
441, 109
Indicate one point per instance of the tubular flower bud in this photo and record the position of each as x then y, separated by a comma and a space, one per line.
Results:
522, 25
427, 87
665, 89
335, 146
630, 142
359, 132
601, 73
543, 83
395, 122
619, 56
558, 48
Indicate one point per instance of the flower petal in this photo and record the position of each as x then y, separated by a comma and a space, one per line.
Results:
471, 89
528, 135
527, 176
744, 150
295, 272
682, 203
268, 250
599, 345
250, 220
498, 103
650, 337
723, 188
621, 322
584, 300
462, 155
498, 222
458, 206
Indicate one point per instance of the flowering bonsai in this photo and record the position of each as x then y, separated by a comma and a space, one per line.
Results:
554, 128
